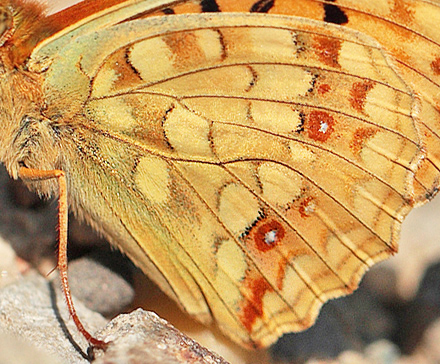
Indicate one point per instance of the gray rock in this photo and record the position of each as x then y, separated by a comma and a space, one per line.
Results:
143, 337
33, 309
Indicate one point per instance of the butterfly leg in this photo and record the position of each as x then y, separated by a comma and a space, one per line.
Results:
37, 174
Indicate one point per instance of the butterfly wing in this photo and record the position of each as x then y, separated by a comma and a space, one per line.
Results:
253, 166
406, 29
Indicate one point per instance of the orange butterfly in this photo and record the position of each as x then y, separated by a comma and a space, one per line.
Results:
253, 165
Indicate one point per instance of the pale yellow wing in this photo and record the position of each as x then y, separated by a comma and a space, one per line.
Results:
407, 29
253, 166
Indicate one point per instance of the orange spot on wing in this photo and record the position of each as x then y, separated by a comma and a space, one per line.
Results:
268, 235
402, 12
435, 65
358, 94
359, 138
282, 263
185, 49
319, 125
253, 305
327, 50
323, 89
127, 75
307, 207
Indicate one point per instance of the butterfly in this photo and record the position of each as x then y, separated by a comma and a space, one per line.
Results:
252, 162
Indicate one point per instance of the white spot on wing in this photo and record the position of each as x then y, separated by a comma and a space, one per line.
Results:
270, 237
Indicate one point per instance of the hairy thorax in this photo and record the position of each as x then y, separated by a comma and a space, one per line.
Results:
28, 139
